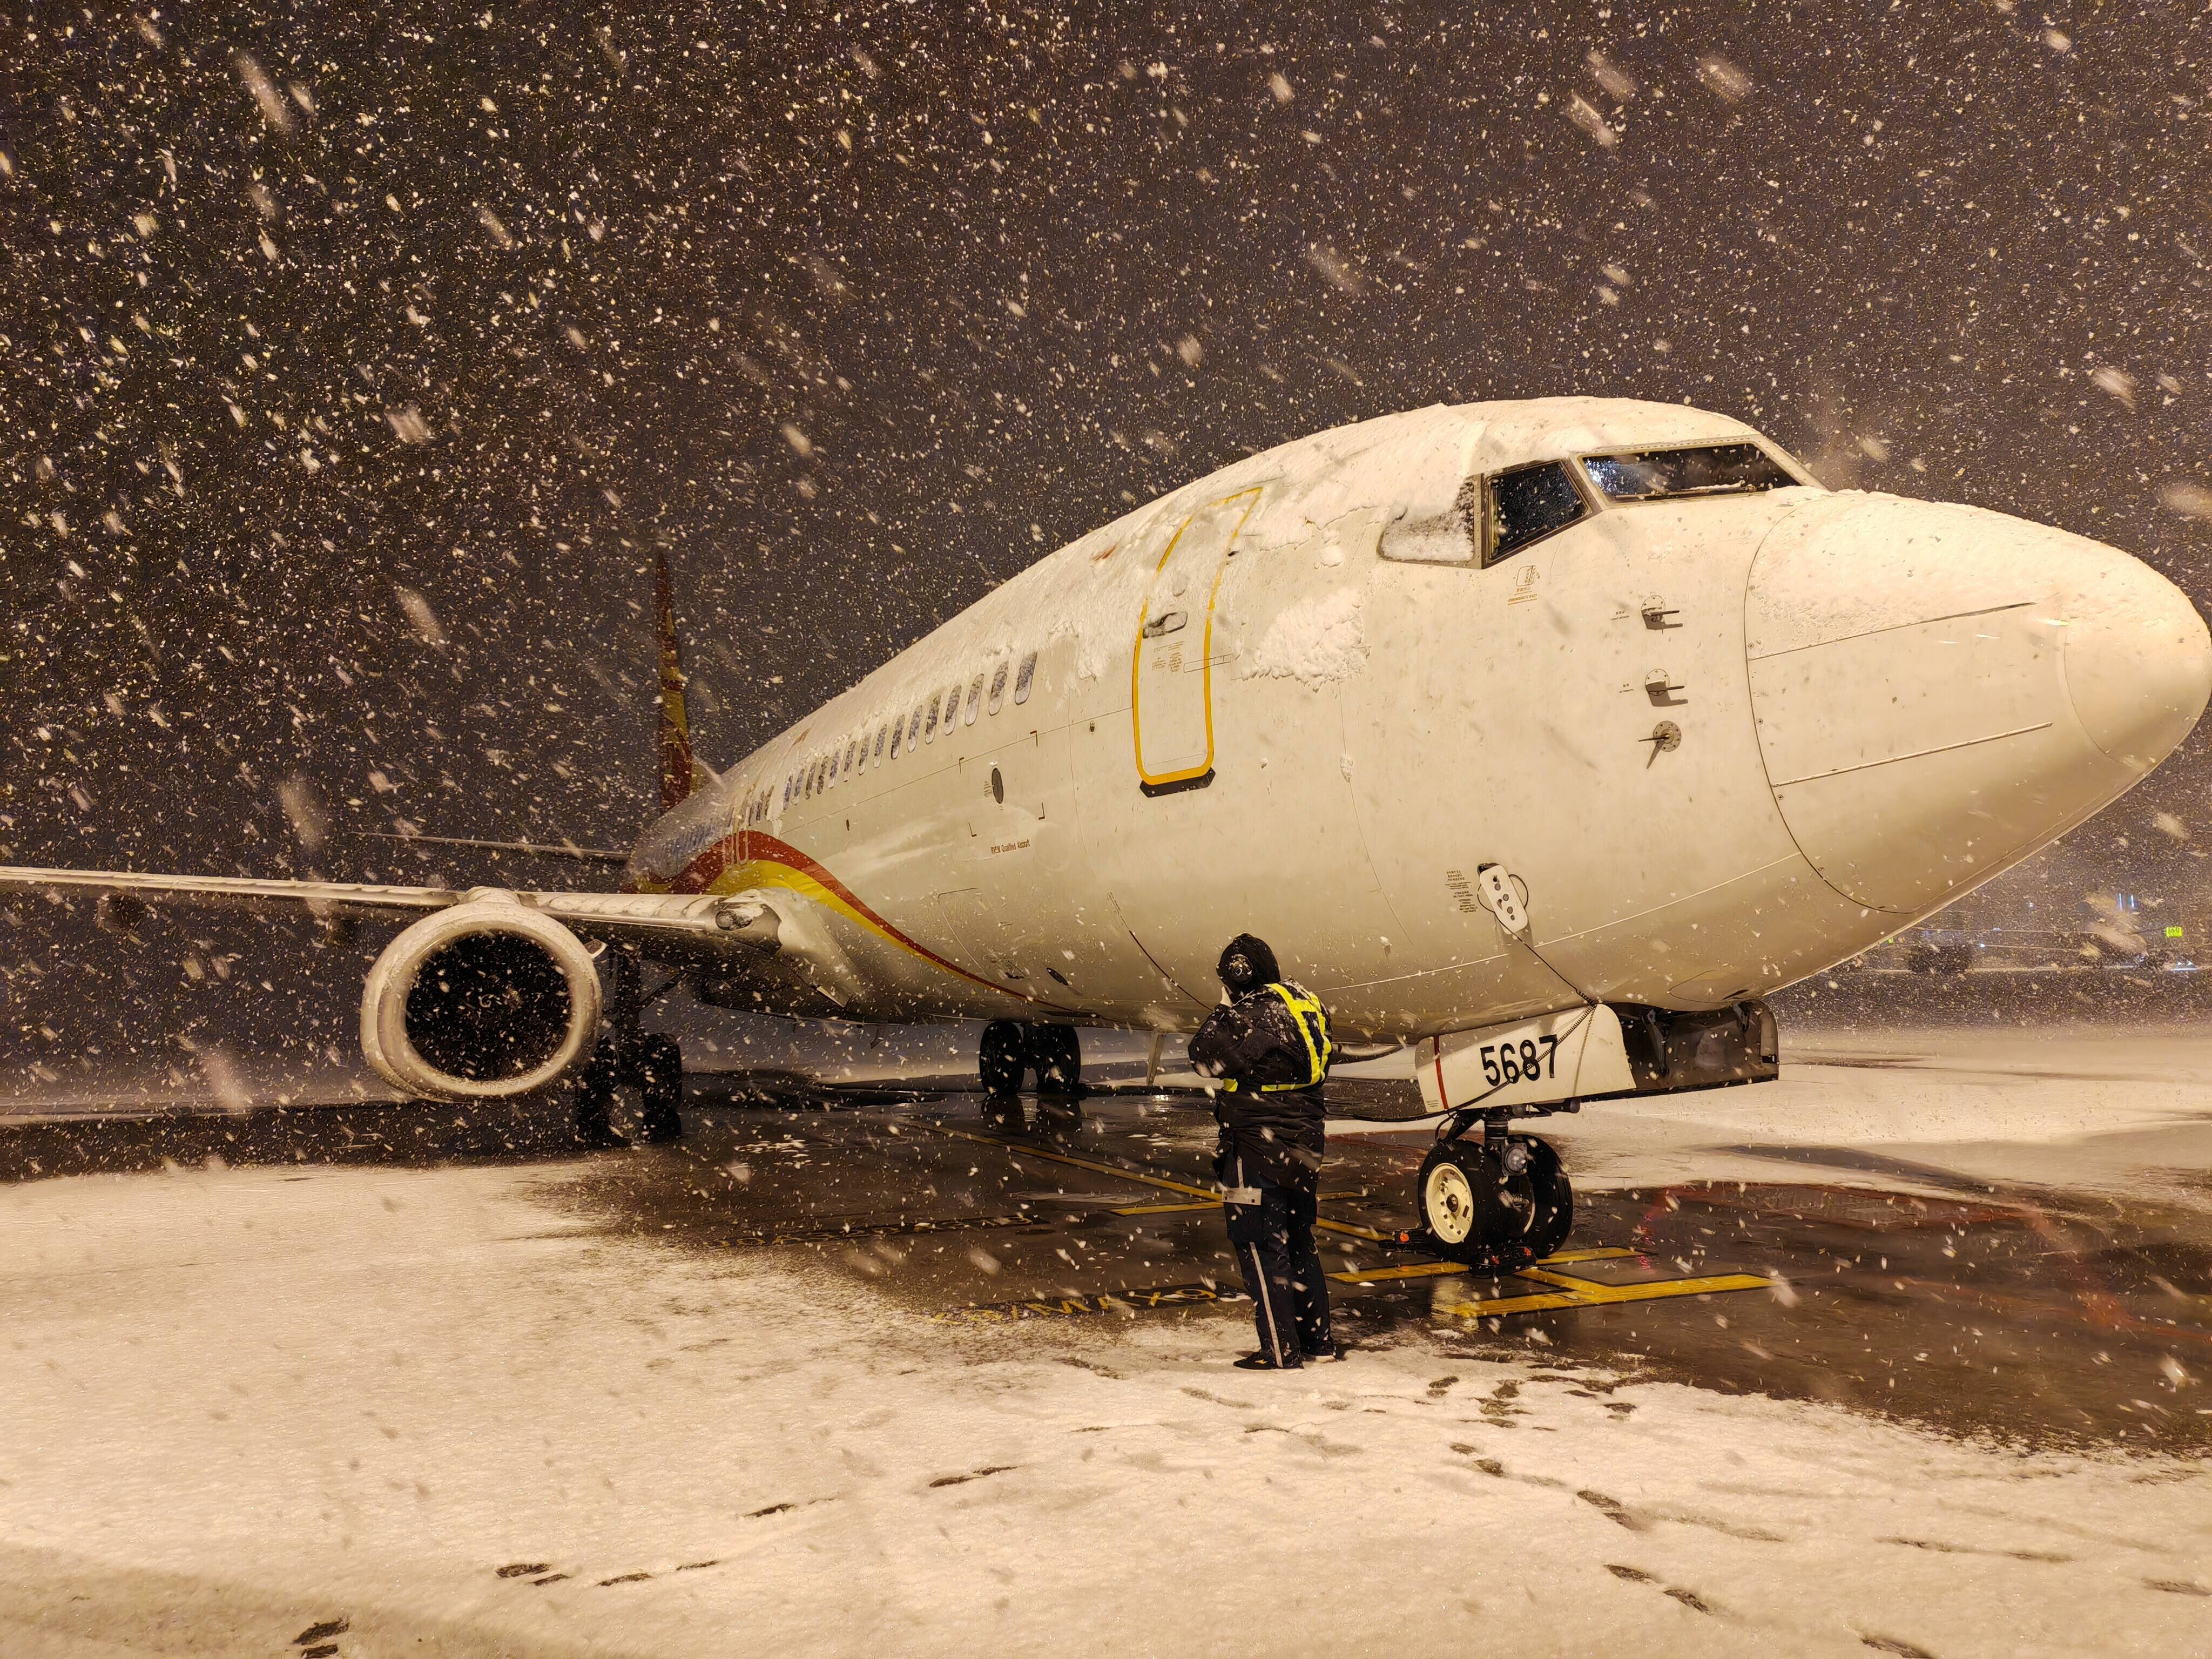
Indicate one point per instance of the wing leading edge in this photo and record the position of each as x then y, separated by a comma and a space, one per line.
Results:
658, 925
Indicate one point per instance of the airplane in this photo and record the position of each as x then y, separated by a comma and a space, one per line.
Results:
1548, 737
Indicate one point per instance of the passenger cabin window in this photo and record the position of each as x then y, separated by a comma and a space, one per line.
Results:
898, 731
951, 703
914, 726
975, 700
998, 688
880, 731
1530, 503
929, 731
1651, 475
1024, 677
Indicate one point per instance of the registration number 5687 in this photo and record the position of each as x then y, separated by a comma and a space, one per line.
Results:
1529, 1059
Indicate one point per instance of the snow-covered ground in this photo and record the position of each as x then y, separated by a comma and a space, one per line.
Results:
244, 1403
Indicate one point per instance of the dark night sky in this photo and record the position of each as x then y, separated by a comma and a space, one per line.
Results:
353, 356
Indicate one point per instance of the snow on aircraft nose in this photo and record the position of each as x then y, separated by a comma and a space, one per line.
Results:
1940, 690
2137, 660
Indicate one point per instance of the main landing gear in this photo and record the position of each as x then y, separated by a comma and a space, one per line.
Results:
1495, 1201
1013, 1049
626, 1055
650, 1063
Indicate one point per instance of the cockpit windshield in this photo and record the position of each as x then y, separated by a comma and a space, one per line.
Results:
1651, 474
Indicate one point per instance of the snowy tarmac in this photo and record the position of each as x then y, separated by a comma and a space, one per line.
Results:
903, 1376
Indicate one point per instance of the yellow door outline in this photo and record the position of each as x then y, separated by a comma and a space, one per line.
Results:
1189, 775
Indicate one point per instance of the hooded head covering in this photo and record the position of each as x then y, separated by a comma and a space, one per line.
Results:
1246, 964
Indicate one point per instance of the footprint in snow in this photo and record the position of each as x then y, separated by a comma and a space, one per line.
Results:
1613, 1510
974, 1475
1637, 1576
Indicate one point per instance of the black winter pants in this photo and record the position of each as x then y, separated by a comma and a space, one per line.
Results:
1274, 1246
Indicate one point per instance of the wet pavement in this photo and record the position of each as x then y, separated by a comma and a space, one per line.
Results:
2017, 1312
2007, 1312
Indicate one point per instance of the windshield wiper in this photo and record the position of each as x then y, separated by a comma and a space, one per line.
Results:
1733, 487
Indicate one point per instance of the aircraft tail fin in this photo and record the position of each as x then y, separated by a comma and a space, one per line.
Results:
680, 772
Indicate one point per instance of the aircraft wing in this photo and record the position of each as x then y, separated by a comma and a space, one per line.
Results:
661, 925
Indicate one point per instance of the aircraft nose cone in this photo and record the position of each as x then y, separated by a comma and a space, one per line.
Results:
1939, 690
2138, 661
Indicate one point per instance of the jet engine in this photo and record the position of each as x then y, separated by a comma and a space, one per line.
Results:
482, 1002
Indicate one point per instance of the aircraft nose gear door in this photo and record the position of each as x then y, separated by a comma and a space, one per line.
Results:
1171, 677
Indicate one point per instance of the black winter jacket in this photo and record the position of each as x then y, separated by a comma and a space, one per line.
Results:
1255, 1040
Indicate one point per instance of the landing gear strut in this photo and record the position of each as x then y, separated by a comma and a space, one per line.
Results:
1501, 1200
651, 1063
1011, 1048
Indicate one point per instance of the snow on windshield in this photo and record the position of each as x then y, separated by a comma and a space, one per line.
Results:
1706, 470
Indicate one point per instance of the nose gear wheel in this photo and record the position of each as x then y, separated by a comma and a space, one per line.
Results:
1484, 1200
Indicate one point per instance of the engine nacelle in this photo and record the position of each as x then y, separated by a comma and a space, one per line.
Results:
481, 1001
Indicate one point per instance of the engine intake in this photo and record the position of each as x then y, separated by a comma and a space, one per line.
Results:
484, 1000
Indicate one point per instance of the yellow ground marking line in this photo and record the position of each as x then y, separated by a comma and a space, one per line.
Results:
1418, 1270
1215, 1204
1572, 1292
1588, 1293
1016, 1150
1438, 1269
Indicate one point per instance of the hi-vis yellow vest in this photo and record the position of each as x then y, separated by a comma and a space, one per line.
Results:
1313, 1026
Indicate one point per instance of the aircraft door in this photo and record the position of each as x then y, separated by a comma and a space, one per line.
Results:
1171, 675
1273, 845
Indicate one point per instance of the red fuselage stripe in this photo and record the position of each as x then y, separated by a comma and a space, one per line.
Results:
750, 846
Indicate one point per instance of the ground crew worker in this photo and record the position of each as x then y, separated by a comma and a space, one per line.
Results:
1268, 1043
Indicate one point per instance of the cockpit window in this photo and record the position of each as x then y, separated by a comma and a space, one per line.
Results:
1530, 503
1651, 474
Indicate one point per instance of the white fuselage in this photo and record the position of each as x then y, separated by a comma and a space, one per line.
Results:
1292, 699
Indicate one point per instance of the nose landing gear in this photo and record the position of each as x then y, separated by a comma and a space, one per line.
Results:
1498, 1200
